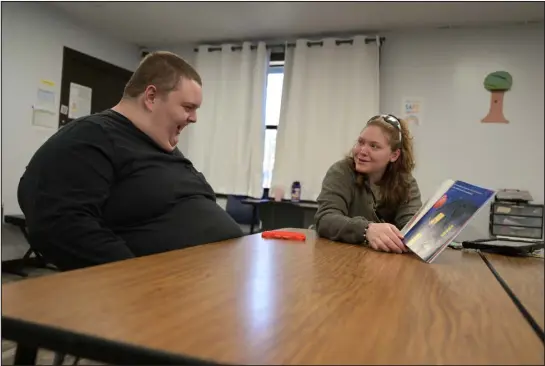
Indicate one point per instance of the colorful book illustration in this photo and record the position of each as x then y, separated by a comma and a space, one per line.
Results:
443, 217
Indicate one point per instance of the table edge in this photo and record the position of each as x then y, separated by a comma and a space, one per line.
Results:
57, 339
513, 297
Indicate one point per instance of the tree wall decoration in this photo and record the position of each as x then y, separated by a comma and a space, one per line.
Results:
497, 83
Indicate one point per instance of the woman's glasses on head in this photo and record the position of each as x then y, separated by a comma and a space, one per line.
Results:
391, 120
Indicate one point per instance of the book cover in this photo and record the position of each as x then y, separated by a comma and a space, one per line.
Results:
443, 216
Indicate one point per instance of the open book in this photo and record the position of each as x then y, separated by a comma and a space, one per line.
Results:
443, 216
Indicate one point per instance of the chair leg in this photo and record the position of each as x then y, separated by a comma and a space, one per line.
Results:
27, 255
25, 355
14, 269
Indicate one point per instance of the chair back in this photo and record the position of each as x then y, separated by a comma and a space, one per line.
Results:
240, 212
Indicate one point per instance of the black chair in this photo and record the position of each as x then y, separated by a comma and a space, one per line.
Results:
27, 260
243, 214
20, 222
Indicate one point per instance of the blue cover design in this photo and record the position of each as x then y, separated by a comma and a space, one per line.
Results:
445, 219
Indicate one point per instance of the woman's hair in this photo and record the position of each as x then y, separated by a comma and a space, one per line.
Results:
396, 181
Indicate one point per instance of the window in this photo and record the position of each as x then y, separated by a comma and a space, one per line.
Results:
275, 80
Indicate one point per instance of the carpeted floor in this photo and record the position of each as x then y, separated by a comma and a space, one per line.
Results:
45, 357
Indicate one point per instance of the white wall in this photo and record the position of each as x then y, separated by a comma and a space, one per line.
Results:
447, 69
184, 51
33, 37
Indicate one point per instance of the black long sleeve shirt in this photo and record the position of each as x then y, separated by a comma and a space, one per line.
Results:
100, 190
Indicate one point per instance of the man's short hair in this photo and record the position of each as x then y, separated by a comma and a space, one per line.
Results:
161, 69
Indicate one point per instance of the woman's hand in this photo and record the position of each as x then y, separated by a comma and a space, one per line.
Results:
385, 237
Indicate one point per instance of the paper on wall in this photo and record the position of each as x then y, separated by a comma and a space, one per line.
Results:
44, 118
412, 110
44, 112
45, 100
79, 102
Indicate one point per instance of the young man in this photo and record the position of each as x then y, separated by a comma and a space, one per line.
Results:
113, 185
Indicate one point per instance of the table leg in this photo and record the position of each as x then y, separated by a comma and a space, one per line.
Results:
254, 218
25, 355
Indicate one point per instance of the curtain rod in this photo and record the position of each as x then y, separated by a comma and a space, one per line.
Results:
291, 45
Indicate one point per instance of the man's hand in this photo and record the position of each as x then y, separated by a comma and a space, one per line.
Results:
385, 237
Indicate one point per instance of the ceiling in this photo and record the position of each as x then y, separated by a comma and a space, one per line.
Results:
158, 23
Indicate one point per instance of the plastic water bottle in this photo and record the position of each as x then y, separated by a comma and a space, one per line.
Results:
296, 191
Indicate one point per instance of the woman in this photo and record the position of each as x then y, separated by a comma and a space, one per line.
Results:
369, 196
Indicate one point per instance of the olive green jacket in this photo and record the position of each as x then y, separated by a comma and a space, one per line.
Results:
345, 208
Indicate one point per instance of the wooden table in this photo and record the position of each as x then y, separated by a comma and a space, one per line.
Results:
525, 279
255, 301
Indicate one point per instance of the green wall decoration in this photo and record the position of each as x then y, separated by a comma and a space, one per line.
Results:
497, 83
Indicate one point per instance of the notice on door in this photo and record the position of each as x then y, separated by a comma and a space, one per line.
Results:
79, 101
